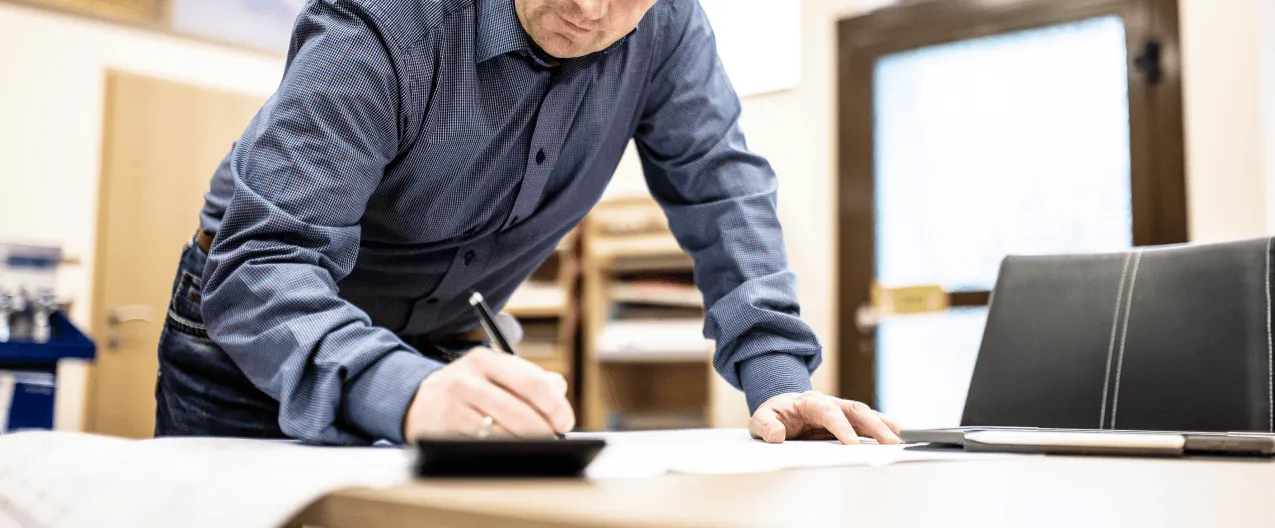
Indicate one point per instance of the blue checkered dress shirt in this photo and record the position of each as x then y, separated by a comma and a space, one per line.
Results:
417, 150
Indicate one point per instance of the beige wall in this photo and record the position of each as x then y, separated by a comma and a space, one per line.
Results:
1226, 173
1267, 89
51, 103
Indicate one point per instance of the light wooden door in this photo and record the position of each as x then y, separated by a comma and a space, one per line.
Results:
162, 142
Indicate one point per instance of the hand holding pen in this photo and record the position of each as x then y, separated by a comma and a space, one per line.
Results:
493, 330
489, 393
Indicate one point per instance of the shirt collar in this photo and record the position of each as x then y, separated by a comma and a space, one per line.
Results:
499, 31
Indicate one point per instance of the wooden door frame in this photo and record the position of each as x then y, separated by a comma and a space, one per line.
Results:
1157, 179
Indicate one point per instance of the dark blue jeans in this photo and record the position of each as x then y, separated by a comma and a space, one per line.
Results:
200, 391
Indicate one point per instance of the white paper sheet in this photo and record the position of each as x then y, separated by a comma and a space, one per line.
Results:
54, 480
50, 479
733, 451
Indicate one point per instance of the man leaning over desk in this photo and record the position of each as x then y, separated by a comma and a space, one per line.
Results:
419, 150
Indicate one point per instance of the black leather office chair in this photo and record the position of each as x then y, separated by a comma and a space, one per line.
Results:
1159, 338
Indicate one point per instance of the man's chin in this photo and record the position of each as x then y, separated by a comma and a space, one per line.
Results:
565, 52
562, 47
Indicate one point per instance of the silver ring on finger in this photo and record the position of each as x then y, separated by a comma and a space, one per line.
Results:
484, 429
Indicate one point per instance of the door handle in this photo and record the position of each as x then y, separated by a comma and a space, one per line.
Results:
1148, 62
121, 315
866, 318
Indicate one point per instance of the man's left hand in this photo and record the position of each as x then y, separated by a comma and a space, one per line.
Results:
816, 416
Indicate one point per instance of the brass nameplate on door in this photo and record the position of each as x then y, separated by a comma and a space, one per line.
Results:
909, 299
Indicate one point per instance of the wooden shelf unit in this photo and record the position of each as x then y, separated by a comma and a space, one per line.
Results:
625, 239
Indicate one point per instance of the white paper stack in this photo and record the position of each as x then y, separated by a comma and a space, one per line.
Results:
665, 340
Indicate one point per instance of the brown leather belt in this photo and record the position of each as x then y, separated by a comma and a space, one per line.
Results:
204, 240
477, 335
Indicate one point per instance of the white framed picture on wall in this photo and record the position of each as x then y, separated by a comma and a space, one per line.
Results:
261, 24
147, 13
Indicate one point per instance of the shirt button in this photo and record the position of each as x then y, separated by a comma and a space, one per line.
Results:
470, 256
513, 220
540, 157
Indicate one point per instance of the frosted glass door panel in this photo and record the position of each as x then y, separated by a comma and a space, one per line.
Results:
922, 381
1017, 143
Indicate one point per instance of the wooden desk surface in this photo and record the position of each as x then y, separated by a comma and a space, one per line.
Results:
1028, 491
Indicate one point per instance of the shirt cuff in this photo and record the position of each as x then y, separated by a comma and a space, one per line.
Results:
770, 375
378, 399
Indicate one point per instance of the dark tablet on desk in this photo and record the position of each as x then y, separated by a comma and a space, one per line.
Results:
505, 457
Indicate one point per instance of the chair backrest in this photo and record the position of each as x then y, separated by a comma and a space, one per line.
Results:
1158, 338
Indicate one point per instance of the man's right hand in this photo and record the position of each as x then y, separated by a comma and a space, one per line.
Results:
521, 398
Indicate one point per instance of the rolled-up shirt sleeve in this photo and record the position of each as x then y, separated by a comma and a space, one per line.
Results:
720, 200
303, 173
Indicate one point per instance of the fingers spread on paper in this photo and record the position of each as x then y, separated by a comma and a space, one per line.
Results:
868, 422
894, 427
812, 415
824, 411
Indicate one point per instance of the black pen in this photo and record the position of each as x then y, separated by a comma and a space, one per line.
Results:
489, 324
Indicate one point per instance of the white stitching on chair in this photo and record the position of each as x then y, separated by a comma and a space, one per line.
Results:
1270, 374
1133, 281
1111, 347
